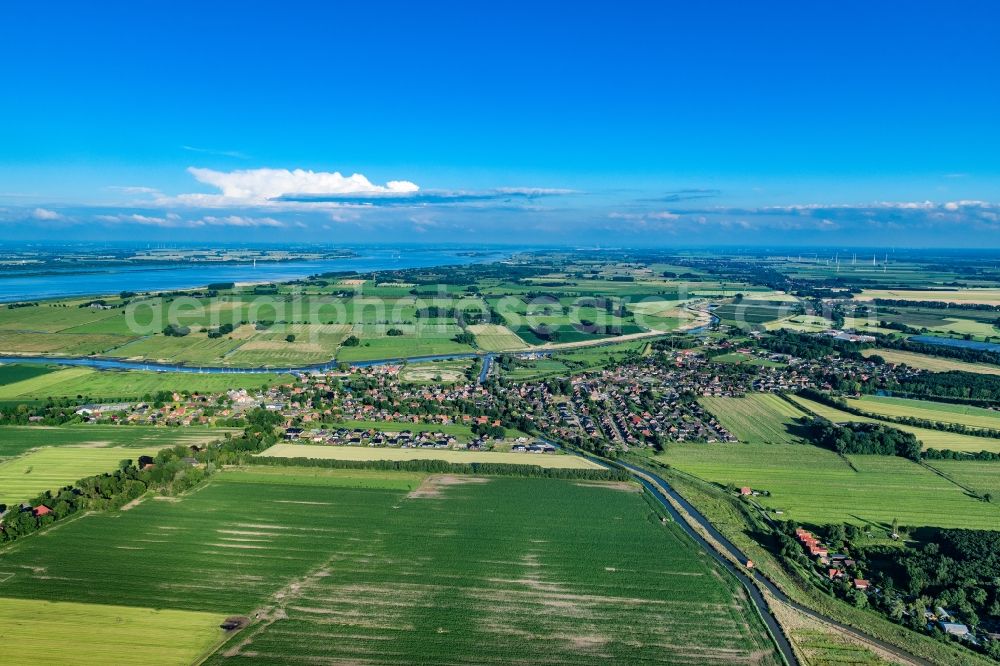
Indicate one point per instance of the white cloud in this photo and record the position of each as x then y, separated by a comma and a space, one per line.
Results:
170, 220
45, 214
134, 189
649, 215
238, 221
262, 186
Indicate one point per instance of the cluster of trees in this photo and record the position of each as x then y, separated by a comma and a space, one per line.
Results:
957, 570
938, 305
351, 341
25, 304
865, 438
465, 338
810, 347
948, 454
176, 330
224, 329
955, 386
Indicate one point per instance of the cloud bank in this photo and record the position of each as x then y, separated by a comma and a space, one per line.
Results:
262, 186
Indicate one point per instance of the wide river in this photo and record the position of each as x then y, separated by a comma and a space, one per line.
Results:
111, 280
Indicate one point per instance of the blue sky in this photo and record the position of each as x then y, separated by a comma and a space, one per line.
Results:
628, 123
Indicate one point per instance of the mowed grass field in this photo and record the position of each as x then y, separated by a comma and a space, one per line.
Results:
492, 337
15, 440
93, 634
980, 475
122, 384
932, 363
557, 460
931, 439
969, 295
817, 486
944, 412
507, 570
26, 476
758, 418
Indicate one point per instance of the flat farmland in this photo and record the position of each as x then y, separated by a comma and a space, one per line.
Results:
125, 384
758, 418
817, 486
15, 440
980, 475
932, 363
456, 566
556, 460
492, 337
94, 634
945, 412
26, 476
375, 347
225, 549
58, 344
51, 318
971, 295
931, 439
13, 373
192, 349
512, 584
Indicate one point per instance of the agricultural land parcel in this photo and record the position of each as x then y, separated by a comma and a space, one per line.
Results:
932, 363
350, 573
931, 439
816, 486
553, 460
758, 418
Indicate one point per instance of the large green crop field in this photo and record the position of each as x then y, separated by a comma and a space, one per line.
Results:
932, 363
125, 384
15, 440
758, 418
26, 476
556, 460
817, 486
490, 570
944, 412
981, 476
931, 439
96, 635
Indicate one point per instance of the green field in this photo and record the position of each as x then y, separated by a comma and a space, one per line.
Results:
932, 363
556, 460
931, 439
981, 476
817, 486
26, 476
15, 440
959, 296
95, 634
13, 373
508, 570
491, 337
125, 384
944, 412
758, 418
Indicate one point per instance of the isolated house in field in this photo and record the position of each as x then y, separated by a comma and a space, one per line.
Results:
41, 510
746, 490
